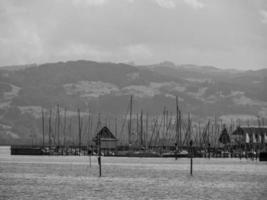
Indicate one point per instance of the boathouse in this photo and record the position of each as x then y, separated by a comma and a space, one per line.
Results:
224, 137
251, 135
108, 140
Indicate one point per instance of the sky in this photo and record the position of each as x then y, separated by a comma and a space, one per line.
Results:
222, 33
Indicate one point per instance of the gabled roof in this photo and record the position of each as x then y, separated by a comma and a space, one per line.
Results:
224, 137
105, 133
249, 130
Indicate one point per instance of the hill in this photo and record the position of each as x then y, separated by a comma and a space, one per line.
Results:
106, 88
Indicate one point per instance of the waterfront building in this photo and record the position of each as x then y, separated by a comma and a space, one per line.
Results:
250, 135
108, 140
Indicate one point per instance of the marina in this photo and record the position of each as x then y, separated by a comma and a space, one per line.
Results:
166, 135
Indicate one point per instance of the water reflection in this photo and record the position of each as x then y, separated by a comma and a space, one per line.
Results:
29, 177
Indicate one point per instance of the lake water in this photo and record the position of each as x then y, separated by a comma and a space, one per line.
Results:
71, 177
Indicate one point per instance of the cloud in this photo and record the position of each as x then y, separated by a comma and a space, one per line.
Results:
237, 117
145, 32
263, 14
170, 4
89, 2
81, 51
139, 50
241, 99
196, 4
166, 3
20, 44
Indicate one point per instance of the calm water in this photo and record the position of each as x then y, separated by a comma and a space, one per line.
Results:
49, 177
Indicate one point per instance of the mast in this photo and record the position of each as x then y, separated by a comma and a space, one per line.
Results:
58, 125
55, 131
189, 129
153, 125
64, 127
130, 122
259, 121
216, 130
199, 135
88, 128
137, 126
49, 128
91, 126
98, 124
208, 134
79, 129
169, 129
212, 134
141, 128
164, 129
146, 134
166, 125
177, 123
43, 127
180, 128
70, 132
116, 128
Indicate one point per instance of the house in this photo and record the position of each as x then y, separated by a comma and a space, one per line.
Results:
251, 135
108, 140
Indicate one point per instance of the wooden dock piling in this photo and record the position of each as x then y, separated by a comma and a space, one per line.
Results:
99, 155
191, 158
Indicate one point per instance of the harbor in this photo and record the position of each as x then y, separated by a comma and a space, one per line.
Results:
164, 135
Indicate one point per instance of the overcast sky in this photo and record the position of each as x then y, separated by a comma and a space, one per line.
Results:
223, 33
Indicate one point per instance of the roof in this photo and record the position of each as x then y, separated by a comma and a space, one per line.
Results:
250, 130
106, 134
224, 137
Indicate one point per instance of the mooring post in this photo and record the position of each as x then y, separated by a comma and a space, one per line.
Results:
191, 158
99, 155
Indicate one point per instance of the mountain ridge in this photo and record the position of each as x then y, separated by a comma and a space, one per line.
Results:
106, 88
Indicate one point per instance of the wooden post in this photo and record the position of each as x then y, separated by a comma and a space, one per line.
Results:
191, 166
99, 154
191, 158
